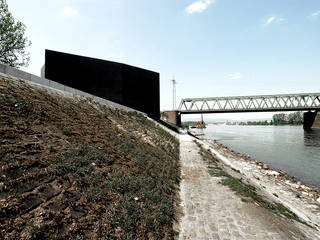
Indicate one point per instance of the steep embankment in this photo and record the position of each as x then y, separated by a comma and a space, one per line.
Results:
75, 169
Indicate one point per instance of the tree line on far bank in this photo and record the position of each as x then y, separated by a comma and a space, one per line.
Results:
295, 118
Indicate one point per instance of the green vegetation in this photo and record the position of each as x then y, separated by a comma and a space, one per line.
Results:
92, 171
256, 123
34, 229
79, 163
12, 40
187, 124
288, 119
295, 118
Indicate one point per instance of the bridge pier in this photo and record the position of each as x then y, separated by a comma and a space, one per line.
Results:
311, 120
173, 117
316, 122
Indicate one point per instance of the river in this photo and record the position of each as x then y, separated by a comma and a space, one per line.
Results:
287, 148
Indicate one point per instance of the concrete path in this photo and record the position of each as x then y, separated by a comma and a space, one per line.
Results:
213, 211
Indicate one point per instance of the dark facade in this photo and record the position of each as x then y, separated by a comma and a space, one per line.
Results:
127, 85
311, 120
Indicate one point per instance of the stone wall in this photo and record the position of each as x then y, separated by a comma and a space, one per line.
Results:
316, 123
49, 83
173, 117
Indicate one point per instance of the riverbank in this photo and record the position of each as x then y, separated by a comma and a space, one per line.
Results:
219, 203
73, 168
275, 185
286, 148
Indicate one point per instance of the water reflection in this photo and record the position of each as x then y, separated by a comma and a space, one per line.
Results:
312, 138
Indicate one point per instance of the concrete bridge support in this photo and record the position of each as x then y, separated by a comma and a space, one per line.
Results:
311, 120
316, 122
172, 117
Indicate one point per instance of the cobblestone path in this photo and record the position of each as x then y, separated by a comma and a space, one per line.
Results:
213, 211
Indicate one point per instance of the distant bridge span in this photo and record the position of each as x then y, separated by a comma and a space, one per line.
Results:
261, 103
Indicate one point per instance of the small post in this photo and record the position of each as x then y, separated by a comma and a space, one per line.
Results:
202, 124
174, 82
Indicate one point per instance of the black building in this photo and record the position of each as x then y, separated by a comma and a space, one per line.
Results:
127, 85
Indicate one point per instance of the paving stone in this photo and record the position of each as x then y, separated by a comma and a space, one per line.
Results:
215, 236
191, 218
236, 234
213, 227
232, 226
202, 231
213, 211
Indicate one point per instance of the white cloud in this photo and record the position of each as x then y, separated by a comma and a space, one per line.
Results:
69, 12
270, 20
235, 76
198, 6
274, 19
315, 14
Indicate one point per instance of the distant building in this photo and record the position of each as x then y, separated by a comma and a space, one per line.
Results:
121, 83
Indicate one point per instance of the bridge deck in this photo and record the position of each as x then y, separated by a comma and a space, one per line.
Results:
261, 103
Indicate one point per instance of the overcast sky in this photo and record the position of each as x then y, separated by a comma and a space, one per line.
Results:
211, 47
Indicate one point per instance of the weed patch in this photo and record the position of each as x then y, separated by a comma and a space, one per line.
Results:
110, 174
247, 192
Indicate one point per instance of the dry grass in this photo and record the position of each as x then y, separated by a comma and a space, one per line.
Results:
74, 169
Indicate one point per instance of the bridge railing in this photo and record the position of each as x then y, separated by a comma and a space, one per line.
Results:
284, 102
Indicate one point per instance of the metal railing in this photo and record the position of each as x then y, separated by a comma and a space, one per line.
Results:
262, 103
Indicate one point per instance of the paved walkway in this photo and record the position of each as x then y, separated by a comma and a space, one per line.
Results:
213, 211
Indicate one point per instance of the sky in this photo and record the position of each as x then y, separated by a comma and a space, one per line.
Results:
210, 47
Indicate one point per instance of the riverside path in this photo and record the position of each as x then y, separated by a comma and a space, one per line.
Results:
212, 211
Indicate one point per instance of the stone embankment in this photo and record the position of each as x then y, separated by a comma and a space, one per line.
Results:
212, 210
316, 123
74, 168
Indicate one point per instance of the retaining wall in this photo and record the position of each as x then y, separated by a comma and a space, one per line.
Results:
173, 117
46, 82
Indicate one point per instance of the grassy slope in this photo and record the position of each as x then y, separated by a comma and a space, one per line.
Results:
74, 169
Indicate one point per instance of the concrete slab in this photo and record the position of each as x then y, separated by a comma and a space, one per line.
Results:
18, 73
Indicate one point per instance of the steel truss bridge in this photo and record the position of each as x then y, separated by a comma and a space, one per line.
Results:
262, 103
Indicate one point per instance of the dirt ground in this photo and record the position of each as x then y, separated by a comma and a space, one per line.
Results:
72, 168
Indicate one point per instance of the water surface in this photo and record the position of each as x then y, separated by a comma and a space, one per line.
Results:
288, 148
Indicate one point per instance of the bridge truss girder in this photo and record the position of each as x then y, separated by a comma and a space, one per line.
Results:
262, 103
